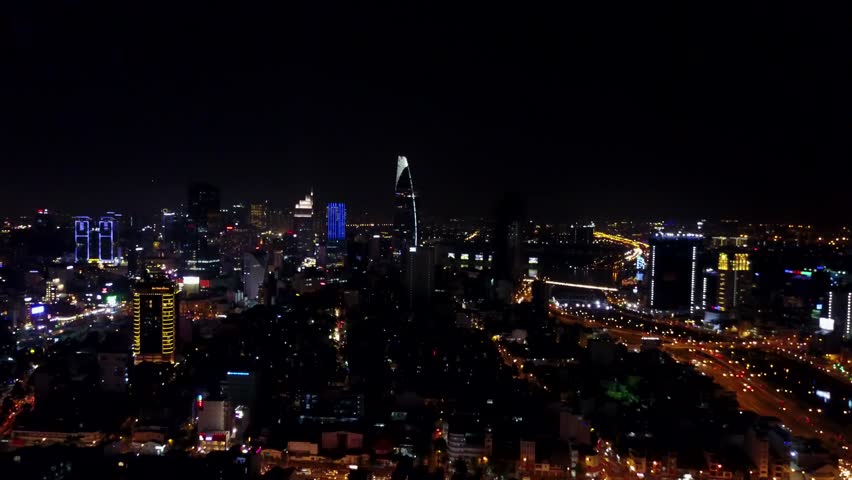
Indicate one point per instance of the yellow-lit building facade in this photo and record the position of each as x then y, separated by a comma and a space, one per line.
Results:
155, 312
735, 280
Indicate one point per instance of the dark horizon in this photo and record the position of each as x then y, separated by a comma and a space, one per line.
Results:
636, 112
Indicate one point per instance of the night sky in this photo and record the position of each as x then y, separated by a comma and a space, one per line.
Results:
640, 109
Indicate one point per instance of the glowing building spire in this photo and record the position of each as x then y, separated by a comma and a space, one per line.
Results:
405, 207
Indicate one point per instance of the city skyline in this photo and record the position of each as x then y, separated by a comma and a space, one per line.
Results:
581, 241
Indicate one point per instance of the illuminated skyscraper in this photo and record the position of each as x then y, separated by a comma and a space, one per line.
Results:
259, 215
838, 307
673, 272
303, 225
107, 233
336, 222
405, 208
82, 238
155, 310
336, 232
735, 280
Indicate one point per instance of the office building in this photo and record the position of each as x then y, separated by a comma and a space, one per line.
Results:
155, 309
734, 281
82, 238
107, 236
673, 273
203, 203
405, 209
240, 388
838, 308
418, 274
215, 424
254, 274
202, 221
170, 226
336, 222
303, 227
506, 241
336, 233
258, 215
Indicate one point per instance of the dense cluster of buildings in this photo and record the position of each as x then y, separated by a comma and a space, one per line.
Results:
248, 339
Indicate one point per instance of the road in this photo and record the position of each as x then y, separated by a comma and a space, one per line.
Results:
759, 397
76, 326
753, 393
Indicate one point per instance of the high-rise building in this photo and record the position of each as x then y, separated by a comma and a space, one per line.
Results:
418, 275
82, 238
336, 222
254, 274
734, 280
240, 215
240, 388
838, 307
336, 232
155, 310
674, 273
303, 226
107, 235
259, 215
405, 208
203, 202
169, 225
506, 241
202, 216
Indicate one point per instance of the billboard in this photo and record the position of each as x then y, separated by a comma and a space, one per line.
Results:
826, 323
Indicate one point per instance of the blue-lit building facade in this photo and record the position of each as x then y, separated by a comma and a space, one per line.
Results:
97, 240
336, 222
336, 232
82, 238
107, 232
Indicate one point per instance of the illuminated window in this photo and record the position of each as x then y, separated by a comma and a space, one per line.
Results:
741, 263
723, 261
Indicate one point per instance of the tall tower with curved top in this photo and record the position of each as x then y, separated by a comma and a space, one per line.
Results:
405, 207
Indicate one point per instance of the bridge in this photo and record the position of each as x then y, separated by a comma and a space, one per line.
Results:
581, 285
573, 285
621, 240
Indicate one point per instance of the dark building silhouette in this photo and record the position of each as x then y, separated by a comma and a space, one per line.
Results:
674, 273
509, 218
202, 219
